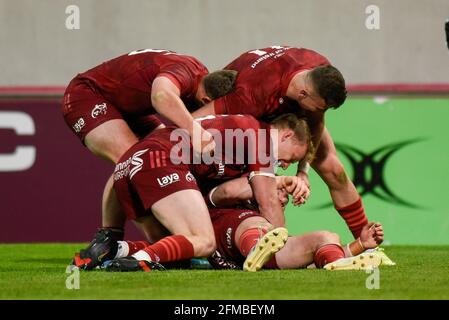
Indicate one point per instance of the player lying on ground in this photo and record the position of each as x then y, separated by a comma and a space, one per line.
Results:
156, 180
246, 240
111, 106
238, 231
282, 79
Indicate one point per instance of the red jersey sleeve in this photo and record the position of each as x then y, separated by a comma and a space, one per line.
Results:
188, 73
240, 101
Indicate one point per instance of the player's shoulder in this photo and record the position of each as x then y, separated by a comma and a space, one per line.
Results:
245, 121
185, 59
308, 54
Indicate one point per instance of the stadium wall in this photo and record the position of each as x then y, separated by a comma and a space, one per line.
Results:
393, 147
408, 46
51, 185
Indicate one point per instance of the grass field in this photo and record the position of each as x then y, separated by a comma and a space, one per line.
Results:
37, 271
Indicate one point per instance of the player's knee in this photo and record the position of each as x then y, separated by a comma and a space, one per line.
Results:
326, 237
209, 246
204, 246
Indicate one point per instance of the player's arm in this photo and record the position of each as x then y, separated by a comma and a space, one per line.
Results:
231, 193
166, 100
264, 189
206, 110
315, 120
238, 191
235, 102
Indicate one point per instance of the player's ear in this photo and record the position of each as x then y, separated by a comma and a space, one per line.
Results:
206, 100
287, 134
303, 94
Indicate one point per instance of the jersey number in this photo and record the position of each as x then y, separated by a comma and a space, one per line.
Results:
150, 50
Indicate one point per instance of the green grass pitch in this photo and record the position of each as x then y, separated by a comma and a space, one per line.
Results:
37, 271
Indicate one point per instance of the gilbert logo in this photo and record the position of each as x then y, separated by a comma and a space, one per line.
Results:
99, 109
165, 181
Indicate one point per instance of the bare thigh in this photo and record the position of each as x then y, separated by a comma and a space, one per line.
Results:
110, 139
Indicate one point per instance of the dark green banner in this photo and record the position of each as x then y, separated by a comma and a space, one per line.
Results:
396, 150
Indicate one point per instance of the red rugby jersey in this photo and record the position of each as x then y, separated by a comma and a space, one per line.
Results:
243, 145
263, 79
126, 80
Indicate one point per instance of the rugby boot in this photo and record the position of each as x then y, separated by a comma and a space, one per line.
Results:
265, 248
102, 248
131, 264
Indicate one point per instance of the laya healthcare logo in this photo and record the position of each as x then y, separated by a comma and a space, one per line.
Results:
369, 171
99, 109
168, 179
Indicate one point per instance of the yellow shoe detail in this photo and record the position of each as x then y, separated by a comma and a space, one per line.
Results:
265, 248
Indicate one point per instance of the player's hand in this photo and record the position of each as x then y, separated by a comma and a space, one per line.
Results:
372, 235
202, 141
297, 188
283, 197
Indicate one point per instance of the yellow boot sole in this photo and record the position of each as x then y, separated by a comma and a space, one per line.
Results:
363, 261
265, 248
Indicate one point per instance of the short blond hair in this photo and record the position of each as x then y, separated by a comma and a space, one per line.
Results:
301, 130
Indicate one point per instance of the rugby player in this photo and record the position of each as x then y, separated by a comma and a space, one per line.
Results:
112, 105
280, 79
245, 240
157, 179
241, 243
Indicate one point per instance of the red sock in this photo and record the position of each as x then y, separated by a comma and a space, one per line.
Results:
248, 240
135, 246
327, 254
354, 216
171, 248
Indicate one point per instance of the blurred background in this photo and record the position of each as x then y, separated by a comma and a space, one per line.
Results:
391, 133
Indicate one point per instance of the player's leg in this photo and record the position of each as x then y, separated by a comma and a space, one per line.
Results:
184, 214
258, 241
95, 121
151, 228
113, 216
237, 232
343, 192
100, 126
110, 139
322, 248
301, 251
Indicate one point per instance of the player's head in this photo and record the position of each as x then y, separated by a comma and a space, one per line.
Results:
215, 85
294, 140
321, 88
